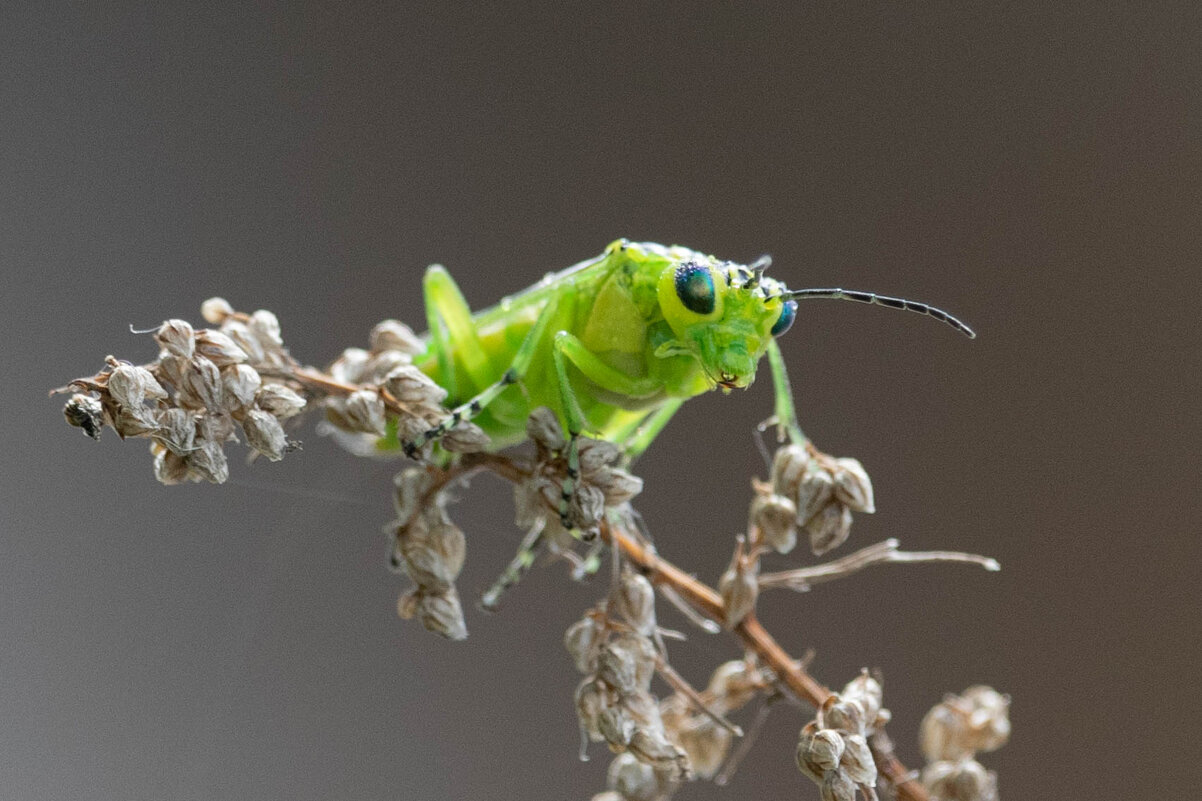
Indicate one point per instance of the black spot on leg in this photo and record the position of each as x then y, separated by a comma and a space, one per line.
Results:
510, 377
474, 408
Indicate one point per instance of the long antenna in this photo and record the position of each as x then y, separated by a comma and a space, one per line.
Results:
883, 300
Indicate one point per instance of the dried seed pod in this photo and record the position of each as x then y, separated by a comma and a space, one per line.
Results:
135, 421
608, 795
989, 719
543, 427
442, 613
582, 640
395, 335
177, 430
653, 749
199, 384
775, 516
279, 400
364, 412
465, 438
632, 780
829, 528
644, 654
857, 760
615, 726
245, 339
218, 347
592, 698
433, 553
964, 780
838, 786
705, 743
837, 713
265, 434
410, 385
739, 588
633, 600
853, 487
208, 462
131, 386
586, 507
169, 467
788, 465
175, 337
617, 486
615, 667
266, 328
823, 752
240, 383
348, 368
597, 454
215, 310
961, 725
814, 492
85, 412
868, 693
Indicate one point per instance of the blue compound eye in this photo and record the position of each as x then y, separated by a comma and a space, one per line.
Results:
788, 312
695, 288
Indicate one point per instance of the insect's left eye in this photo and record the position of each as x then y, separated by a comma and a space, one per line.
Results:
695, 288
788, 312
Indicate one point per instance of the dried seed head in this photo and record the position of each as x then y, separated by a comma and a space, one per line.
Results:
266, 328
837, 713
242, 336
85, 412
617, 486
823, 750
608, 795
705, 743
733, 684
632, 780
265, 434
410, 385
853, 487
410, 487
960, 726
135, 421
363, 411
829, 528
857, 760
465, 438
175, 337
615, 726
592, 698
433, 552
586, 507
395, 335
240, 383
596, 455
169, 467
131, 386
582, 639
814, 493
215, 310
218, 347
279, 401
442, 613
838, 786
739, 588
199, 384
867, 692
543, 427
208, 462
348, 368
615, 667
633, 600
653, 749
177, 430
965, 780
788, 465
775, 516
643, 654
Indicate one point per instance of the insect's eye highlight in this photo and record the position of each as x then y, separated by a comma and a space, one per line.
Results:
695, 288
788, 312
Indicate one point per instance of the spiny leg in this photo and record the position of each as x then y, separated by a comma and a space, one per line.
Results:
784, 413
514, 373
568, 347
522, 561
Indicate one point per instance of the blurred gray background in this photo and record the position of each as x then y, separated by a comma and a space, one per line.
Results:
1035, 170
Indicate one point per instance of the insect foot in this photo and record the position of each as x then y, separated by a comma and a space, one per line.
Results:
189, 402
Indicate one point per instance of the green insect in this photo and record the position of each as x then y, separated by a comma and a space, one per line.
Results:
615, 344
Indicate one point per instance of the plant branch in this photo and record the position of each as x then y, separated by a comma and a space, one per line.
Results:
881, 553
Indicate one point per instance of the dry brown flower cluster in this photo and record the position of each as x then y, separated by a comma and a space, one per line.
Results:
210, 386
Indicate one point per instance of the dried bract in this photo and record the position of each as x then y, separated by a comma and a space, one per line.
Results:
215, 310
960, 726
175, 337
265, 434
395, 335
962, 780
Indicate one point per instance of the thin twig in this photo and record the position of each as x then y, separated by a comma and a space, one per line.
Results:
881, 553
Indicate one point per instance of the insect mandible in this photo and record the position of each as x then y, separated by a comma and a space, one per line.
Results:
614, 345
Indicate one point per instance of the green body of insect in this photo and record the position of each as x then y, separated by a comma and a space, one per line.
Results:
615, 344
